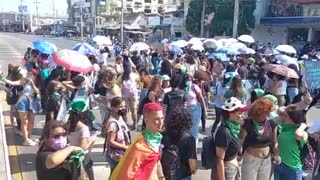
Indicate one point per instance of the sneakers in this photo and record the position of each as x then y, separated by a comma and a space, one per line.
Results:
29, 142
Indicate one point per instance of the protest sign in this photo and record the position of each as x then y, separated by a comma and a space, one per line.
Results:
312, 74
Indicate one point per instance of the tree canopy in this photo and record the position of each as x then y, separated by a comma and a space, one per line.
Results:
222, 21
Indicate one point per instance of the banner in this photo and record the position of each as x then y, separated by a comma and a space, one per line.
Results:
312, 74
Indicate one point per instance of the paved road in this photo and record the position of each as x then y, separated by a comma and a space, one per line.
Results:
12, 48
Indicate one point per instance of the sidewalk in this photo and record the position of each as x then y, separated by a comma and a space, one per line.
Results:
5, 171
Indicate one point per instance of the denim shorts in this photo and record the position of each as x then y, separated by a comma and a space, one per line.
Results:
23, 105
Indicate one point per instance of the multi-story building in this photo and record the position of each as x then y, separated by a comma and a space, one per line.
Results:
287, 21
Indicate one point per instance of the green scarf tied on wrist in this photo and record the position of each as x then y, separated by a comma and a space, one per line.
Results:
153, 139
234, 127
76, 157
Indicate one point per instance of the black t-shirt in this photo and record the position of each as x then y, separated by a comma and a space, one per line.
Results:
49, 174
53, 105
101, 90
186, 150
255, 139
226, 141
174, 99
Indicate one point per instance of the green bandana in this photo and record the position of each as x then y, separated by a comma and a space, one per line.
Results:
257, 126
272, 98
259, 92
79, 105
76, 157
234, 127
153, 139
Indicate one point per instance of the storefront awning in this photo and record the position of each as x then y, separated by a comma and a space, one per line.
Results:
289, 20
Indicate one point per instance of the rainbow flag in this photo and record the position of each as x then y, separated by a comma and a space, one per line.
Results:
137, 163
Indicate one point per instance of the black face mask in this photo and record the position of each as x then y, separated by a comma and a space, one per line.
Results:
122, 112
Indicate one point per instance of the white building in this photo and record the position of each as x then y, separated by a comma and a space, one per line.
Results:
287, 21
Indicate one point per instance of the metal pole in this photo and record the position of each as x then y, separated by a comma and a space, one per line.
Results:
121, 26
202, 18
37, 11
53, 16
22, 16
235, 18
81, 21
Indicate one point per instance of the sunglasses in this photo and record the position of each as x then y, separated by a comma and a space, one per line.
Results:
60, 135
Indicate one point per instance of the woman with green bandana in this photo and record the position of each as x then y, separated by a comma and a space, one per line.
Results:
195, 103
260, 141
292, 138
227, 141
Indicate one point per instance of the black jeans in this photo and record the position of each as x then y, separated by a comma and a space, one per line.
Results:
218, 118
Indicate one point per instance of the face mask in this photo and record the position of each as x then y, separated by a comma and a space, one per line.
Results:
122, 112
59, 143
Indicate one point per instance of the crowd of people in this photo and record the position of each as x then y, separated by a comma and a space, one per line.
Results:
259, 131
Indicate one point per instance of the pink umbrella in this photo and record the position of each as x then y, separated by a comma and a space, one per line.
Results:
282, 70
72, 61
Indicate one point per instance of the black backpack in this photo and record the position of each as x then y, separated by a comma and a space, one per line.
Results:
12, 95
170, 160
208, 154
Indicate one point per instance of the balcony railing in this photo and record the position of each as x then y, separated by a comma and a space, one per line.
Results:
281, 10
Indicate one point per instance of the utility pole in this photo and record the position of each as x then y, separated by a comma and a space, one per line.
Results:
235, 18
202, 18
93, 16
81, 21
22, 16
122, 16
53, 16
37, 11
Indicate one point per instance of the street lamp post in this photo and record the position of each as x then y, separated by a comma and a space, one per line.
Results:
81, 21
22, 16
122, 16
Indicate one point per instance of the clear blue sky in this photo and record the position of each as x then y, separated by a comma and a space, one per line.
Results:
45, 6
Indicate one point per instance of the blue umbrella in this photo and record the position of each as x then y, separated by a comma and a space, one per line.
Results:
44, 47
176, 49
229, 50
84, 48
219, 55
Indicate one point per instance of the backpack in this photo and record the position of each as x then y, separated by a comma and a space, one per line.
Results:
128, 88
307, 156
208, 154
12, 95
170, 160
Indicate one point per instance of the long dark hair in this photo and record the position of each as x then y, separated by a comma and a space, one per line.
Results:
127, 69
179, 123
74, 118
45, 139
52, 87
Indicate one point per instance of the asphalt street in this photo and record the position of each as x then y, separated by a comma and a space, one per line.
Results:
22, 158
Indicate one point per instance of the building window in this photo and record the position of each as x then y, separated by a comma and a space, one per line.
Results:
160, 1
147, 11
147, 1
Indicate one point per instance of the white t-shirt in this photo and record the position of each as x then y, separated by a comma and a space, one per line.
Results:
191, 97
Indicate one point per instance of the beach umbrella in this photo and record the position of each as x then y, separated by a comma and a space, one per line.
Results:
139, 46
246, 38
44, 47
282, 70
180, 43
164, 41
73, 61
195, 41
102, 40
286, 49
84, 48
176, 49
229, 50
247, 51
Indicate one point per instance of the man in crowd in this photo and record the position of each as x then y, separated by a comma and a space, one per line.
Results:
141, 160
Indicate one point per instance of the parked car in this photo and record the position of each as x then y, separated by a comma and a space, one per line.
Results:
69, 33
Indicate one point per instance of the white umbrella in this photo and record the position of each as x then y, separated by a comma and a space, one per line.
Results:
237, 45
211, 43
286, 49
180, 43
102, 40
139, 46
247, 51
286, 60
230, 41
198, 47
246, 38
194, 41
164, 41
222, 41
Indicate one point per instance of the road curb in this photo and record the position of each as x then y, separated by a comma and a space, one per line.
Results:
5, 145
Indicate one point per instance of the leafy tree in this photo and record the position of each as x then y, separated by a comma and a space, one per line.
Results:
222, 22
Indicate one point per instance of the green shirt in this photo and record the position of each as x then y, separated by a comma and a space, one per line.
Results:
288, 146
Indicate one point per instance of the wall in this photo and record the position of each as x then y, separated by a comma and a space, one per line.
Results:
261, 10
273, 34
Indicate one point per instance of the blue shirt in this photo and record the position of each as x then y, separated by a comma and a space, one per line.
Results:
117, 49
220, 92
